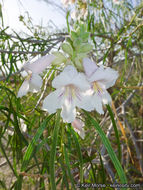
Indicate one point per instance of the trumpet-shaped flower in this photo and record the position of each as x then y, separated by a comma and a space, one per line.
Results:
100, 79
71, 87
33, 81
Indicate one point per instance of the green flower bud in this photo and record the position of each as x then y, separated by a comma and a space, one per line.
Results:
67, 48
60, 58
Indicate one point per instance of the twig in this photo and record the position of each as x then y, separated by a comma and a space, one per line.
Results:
140, 25
37, 41
33, 52
139, 155
128, 99
122, 128
21, 52
129, 72
103, 36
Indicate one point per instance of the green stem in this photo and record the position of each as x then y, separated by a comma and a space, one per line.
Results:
116, 131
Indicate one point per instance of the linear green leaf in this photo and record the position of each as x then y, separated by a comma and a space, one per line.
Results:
65, 179
68, 168
116, 131
79, 153
31, 146
53, 152
6, 157
111, 152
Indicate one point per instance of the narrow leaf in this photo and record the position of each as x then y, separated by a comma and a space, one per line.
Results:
79, 153
110, 151
31, 146
116, 131
53, 152
68, 168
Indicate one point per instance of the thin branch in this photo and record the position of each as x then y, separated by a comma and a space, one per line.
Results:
103, 36
61, 39
34, 40
139, 155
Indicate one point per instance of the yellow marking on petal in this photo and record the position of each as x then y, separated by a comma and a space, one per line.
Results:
70, 90
97, 87
73, 92
29, 76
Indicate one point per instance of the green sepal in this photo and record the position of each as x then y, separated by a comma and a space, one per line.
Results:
74, 35
85, 48
77, 43
81, 55
85, 37
78, 64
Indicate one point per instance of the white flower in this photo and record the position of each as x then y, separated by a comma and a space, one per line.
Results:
33, 82
67, 2
100, 79
78, 127
71, 87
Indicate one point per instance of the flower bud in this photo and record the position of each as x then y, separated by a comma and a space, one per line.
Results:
60, 58
66, 47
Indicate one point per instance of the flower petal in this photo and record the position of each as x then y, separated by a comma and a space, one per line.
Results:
81, 82
89, 66
52, 102
23, 125
35, 83
85, 101
68, 112
65, 77
39, 65
71, 76
106, 76
106, 98
97, 103
23, 89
